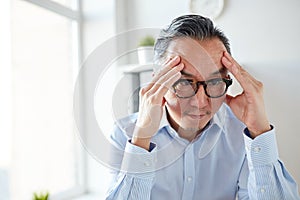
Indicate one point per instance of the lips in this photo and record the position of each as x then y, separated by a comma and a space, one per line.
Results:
198, 116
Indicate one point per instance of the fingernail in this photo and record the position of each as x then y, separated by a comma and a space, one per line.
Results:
227, 54
180, 65
176, 57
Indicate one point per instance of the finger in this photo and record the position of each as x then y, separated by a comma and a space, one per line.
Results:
163, 80
165, 67
167, 60
169, 67
159, 65
167, 84
236, 68
228, 63
228, 99
243, 77
157, 92
168, 64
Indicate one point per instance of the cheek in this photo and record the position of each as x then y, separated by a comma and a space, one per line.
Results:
171, 99
175, 104
216, 103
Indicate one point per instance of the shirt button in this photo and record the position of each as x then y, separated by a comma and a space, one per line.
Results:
189, 179
147, 163
262, 190
257, 149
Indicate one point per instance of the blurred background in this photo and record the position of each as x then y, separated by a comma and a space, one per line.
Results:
43, 44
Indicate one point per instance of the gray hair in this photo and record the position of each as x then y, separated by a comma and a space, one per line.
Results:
190, 26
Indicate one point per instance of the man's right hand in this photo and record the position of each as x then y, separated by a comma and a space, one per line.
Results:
152, 101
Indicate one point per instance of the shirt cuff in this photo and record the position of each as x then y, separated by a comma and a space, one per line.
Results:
138, 161
261, 150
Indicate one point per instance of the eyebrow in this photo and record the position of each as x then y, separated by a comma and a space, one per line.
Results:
186, 73
222, 70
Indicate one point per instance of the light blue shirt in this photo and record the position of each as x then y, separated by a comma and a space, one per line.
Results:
222, 163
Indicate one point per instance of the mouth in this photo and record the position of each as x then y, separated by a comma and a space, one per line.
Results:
198, 116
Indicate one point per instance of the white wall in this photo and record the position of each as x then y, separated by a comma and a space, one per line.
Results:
264, 37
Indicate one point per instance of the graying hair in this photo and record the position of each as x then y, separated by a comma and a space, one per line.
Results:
189, 26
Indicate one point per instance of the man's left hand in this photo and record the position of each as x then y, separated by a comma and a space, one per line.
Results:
249, 105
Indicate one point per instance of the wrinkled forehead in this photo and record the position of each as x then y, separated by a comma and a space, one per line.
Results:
201, 58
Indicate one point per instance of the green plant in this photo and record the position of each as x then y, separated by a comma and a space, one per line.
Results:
40, 196
147, 41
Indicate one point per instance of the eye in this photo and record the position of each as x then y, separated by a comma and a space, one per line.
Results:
183, 83
215, 82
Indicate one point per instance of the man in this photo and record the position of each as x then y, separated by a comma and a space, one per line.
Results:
191, 140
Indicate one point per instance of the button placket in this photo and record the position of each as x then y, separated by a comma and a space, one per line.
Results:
189, 173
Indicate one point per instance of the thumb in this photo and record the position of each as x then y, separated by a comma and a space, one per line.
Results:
228, 99
163, 102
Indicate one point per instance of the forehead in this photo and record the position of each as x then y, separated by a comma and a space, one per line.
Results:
201, 58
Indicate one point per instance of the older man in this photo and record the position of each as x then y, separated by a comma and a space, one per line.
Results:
191, 140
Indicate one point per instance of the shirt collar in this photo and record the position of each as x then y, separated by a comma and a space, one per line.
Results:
208, 137
219, 117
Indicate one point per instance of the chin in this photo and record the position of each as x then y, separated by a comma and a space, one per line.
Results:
191, 129
193, 126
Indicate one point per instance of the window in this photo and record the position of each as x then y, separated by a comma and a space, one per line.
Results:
67, 3
46, 153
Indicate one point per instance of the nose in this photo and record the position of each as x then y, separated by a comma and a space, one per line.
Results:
200, 100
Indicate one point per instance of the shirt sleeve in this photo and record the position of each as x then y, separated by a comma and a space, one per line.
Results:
267, 178
134, 178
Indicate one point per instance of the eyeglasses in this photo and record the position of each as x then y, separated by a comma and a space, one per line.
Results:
214, 88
